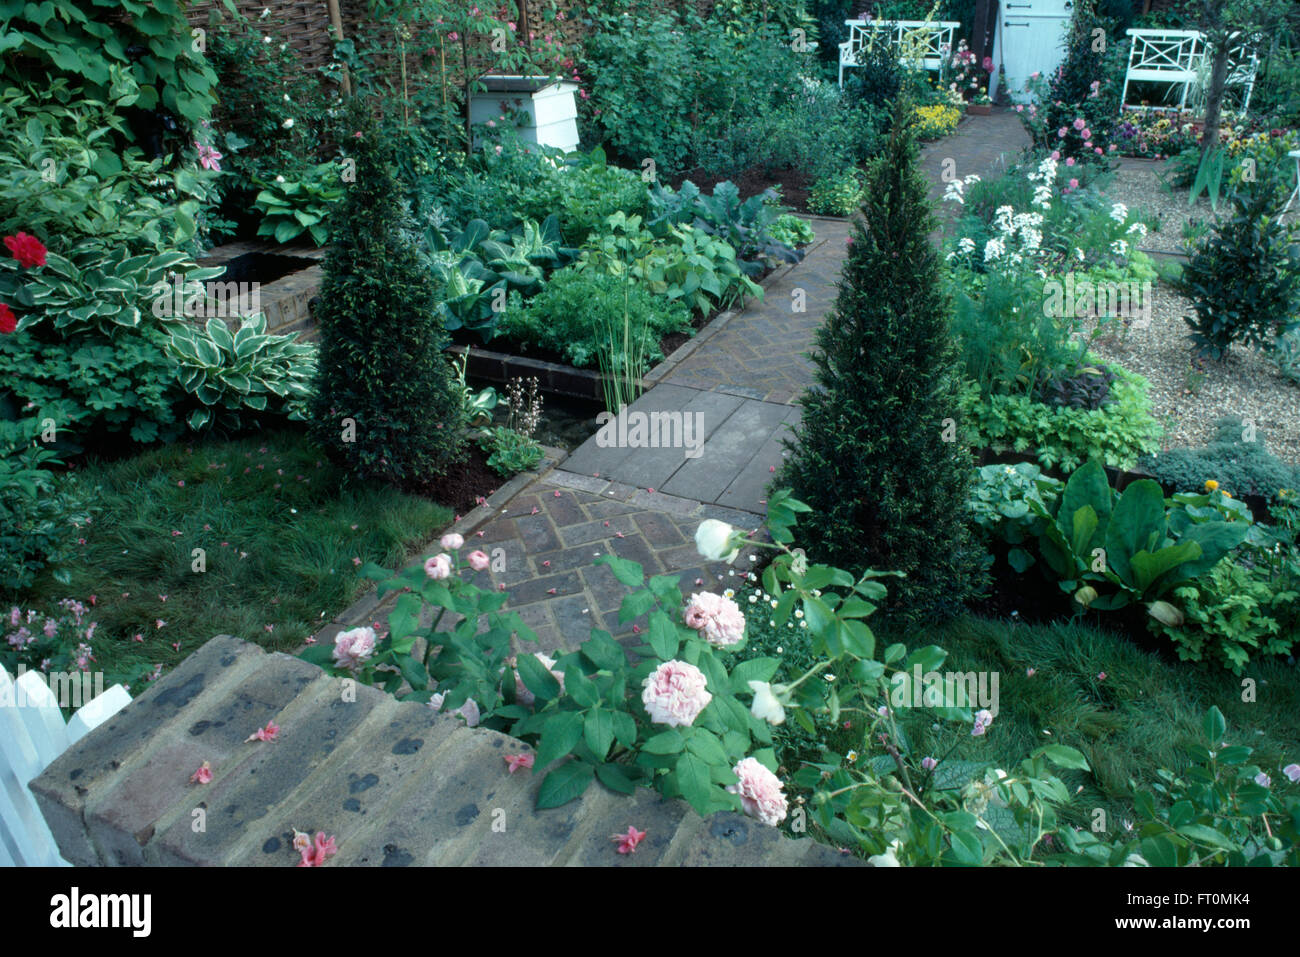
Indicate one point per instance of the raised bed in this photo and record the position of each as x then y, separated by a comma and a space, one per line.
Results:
288, 279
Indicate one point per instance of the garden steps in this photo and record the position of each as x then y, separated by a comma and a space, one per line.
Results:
394, 784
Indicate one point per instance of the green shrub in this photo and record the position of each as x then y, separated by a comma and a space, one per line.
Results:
38, 510
836, 195
95, 387
886, 491
1061, 436
1244, 279
685, 265
1239, 466
571, 314
1233, 614
792, 230
387, 405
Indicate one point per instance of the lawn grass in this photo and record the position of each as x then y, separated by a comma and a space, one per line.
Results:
282, 538
1130, 723
1136, 719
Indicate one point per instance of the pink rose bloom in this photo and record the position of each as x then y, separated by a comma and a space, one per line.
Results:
478, 560
1292, 772
760, 792
469, 710
1061, 133
1056, 155
1098, 150
522, 694
351, 648
1069, 161
1019, 108
674, 694
1080, 123
1074, 184
438, 567
451, 541
1086, 133
717, 618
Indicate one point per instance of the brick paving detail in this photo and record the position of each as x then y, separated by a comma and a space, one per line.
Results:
551, 534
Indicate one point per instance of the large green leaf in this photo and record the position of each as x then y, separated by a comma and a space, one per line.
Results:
564, 784
1137, 524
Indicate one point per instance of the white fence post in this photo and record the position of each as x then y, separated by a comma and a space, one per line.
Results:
32, 735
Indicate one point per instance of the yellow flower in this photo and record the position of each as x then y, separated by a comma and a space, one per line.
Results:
1211, 485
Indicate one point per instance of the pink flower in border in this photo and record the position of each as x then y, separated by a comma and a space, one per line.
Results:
983, 718
627, 842
517, 761
209, 158
675, 693
268, 733
1074, 184
717, 618
1080, 123
1263, 780
929, 763
353, 648
451, 541
203, 775
1292, 772
760, 792
478, 560
438, 567
1060, 134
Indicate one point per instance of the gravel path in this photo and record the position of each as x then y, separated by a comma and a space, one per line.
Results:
1187, 398
1137, 185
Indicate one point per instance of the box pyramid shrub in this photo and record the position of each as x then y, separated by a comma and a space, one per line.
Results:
386, 405
878, 455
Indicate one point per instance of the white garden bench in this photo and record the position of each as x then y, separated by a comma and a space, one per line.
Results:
32, 735
925, 43
1179, 58
1295, 193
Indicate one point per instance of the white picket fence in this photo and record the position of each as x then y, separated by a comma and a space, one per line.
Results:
32, 735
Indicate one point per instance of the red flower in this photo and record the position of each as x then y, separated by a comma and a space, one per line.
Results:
26, 249
7, 321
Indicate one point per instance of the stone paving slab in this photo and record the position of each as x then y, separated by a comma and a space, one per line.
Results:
395, 784
732, 465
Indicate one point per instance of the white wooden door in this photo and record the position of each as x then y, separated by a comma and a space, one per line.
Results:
1030, 39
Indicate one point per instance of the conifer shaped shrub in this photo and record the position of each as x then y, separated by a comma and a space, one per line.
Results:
878, 455
387, 405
